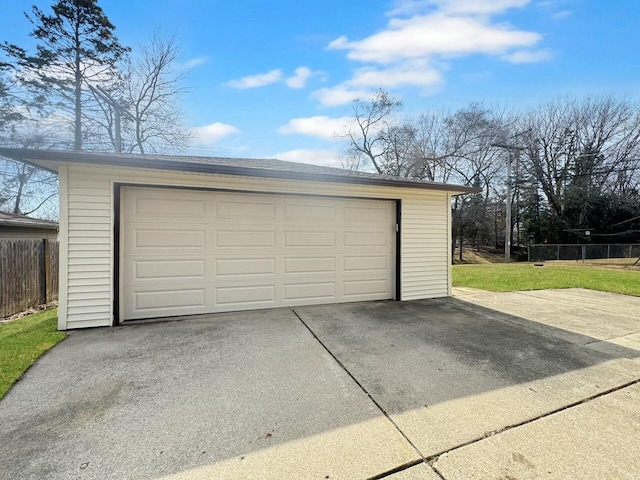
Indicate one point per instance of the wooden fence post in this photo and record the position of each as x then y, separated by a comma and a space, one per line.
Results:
42, 267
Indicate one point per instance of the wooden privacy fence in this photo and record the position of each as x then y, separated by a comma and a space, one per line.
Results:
28, 274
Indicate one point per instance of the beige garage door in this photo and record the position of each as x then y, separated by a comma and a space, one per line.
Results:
189, 252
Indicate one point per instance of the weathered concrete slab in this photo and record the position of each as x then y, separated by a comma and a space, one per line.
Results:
594, 315
250, 395
449, 372
597, 439
628, 343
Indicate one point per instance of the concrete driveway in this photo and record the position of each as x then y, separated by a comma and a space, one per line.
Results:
416, 390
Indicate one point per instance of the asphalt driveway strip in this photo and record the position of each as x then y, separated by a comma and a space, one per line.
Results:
428, 389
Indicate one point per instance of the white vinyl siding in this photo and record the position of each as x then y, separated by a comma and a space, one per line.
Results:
425, 260
89, 216
89, 250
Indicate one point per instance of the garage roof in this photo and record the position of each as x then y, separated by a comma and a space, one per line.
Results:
14, 220
269, 168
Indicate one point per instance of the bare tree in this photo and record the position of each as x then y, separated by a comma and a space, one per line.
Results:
588, 146
27, 189
395, 158
152, 91
472, 160
432, 153
582, 155
372, 119
9, 111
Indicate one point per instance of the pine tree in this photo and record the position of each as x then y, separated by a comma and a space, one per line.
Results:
76, 46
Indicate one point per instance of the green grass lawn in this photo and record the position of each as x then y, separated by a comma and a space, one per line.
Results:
23, 341
524, 276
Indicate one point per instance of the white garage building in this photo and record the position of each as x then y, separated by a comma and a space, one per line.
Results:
161, 236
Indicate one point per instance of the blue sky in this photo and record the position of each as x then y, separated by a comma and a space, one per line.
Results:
276, 79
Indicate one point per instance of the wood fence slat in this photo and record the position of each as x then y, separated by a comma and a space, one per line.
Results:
28, 274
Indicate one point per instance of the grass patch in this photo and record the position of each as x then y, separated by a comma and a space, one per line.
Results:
524, 276
23, 341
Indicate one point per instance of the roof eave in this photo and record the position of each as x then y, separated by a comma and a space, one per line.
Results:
5, 223
33, 157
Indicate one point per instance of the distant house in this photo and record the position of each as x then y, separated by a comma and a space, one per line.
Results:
21, 227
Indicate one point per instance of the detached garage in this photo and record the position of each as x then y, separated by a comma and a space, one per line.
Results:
161, 236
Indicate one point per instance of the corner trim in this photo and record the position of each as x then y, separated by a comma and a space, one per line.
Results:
399, 251
116, 284
63, 267
449, 246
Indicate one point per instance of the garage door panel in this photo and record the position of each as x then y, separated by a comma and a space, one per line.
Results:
172, 298
158, 241
310, 212
245, 238
239, 252
307, 291
366, 239
365, 287
366, 264
157, 269
170, 239
237, 210
309, 239
156, 206
235, 267
367, 214
243, 295
310, 265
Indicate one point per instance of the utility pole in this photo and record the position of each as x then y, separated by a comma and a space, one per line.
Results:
507, 234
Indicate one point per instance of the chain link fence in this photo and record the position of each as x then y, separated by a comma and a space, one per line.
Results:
582, 252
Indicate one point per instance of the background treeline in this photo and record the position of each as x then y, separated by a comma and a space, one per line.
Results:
575, 165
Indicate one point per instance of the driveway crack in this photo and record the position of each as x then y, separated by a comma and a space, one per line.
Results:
433, 459
366, 392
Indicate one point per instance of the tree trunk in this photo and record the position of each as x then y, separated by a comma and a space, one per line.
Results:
460, 230
453, 229
22, 179
77, 144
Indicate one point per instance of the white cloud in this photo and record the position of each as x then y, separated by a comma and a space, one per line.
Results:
562, 14
421, 38
367, 80
255, 81
298, 80
436, 34
325, 158
319, 126
195, 62
300, 77
209, 135
528, 56
340, 95
407, 73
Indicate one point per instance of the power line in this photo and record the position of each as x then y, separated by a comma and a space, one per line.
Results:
601, 172
625, 221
